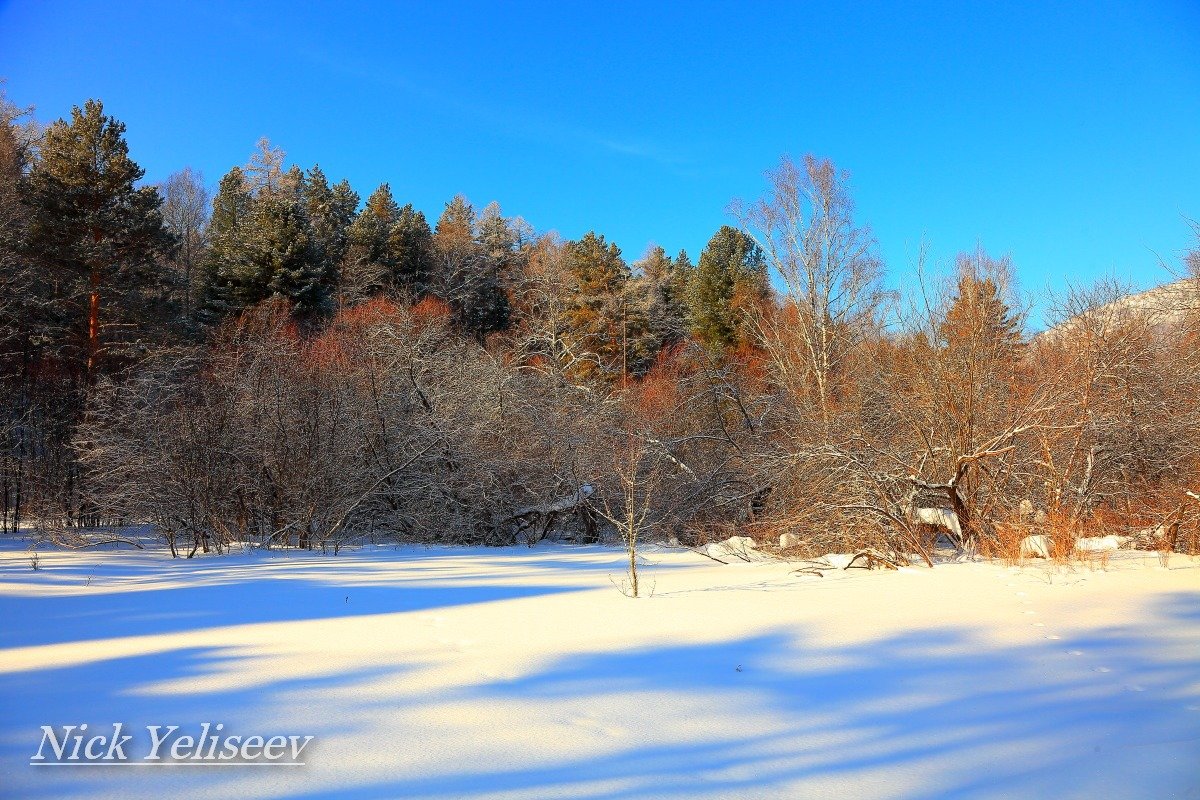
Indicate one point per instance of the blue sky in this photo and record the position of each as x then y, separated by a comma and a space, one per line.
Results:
1064, 134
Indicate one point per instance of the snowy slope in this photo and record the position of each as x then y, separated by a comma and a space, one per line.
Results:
511, 673
1163, 307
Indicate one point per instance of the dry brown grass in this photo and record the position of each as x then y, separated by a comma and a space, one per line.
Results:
1005, 542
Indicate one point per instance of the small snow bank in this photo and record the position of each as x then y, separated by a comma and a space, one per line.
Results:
838, 560
1041, 545
1036, 546
1102, 544
942, 518
742, 548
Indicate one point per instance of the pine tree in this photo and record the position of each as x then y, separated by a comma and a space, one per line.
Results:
231, 207
329, 212
262, 247
368, 265
500, 241
465, 275
599, 319
456, 226
496, 236
978, 318
684, 271
410, 248
383, 206
280, 256
231, 203
980, 350
101, 236
20, 316
666, 305
731, 275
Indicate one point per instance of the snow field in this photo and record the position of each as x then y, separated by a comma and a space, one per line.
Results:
485, 673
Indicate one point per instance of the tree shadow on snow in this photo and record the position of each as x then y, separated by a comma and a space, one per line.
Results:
104, 692
236, 595
940, 711
931, 713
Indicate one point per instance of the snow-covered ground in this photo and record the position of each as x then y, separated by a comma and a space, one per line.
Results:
448, 673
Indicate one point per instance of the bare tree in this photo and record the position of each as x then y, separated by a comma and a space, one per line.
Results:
829, 268
1123, 451
639, 464
185, 211
264, 171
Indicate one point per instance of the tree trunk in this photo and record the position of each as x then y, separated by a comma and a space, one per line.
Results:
93, 343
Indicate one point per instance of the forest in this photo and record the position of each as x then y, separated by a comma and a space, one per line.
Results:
283, 364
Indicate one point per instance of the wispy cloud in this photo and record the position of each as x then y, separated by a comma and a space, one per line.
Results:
531, 123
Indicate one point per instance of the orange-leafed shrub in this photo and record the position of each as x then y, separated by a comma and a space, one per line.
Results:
431, 311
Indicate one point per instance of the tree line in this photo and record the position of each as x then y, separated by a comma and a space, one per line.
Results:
286, 364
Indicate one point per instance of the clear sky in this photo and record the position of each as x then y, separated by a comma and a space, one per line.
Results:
1065, 134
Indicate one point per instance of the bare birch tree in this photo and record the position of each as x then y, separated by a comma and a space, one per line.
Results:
185, 212
829, 268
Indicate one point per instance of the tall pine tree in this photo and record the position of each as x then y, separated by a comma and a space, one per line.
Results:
730, 277
665, 285
264, 245
410, 249
329, 212
279, 259
465, 275
368, 264
602, 318
231, 207
101, 236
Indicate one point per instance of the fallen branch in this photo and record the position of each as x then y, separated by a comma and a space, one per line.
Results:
873, 557
706, 555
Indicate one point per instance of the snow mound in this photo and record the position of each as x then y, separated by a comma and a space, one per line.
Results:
1037, 546
738, 547
838, 560
1101, 544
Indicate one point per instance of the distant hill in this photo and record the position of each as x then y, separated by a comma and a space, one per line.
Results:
1163, 306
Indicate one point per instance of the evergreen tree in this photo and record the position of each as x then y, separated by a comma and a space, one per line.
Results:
262, 247
466, 276
410, 247
666, 304
977, 355
602, 317
367, 266
683, 264
280, 259
329, 212
496, 236
21, 318
456, 226
681, 283
231, 204
383, 206
731, 275
231, 207
980, 339
500, 239
978, 319
597, 266
100, 235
